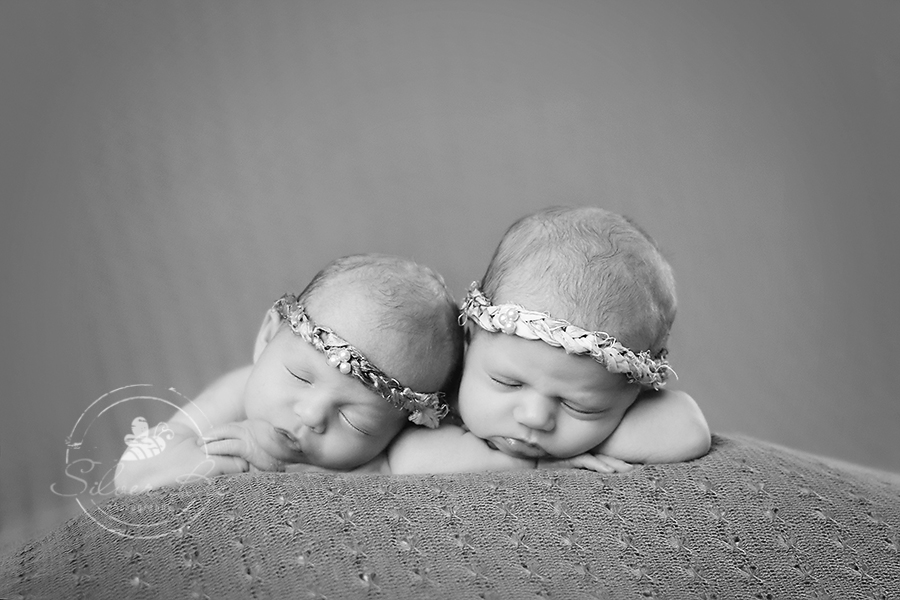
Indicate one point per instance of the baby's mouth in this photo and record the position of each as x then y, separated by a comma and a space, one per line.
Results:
518, 448
290, 441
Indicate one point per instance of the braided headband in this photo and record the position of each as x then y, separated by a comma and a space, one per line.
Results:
512, 319
424, 409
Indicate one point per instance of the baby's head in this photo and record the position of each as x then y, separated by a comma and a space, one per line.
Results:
589, 266
371, 342
554, 386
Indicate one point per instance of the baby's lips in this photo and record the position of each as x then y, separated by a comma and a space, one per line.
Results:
519, 448
290, 439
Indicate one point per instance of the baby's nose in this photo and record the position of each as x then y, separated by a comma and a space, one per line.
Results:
536, 412
313, 414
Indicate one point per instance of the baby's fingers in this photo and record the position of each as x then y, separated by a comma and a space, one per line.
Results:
227, 447
245, 450
592, 462
214, 466
609, 464
223, 432
589, 462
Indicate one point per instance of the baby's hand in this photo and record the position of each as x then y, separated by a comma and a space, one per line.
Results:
181, 462
255, 441
593, 462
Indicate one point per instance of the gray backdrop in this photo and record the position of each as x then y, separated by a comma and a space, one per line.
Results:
168, 169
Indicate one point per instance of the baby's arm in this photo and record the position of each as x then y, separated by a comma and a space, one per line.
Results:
218, 404
184, 459
447, 449
660, 427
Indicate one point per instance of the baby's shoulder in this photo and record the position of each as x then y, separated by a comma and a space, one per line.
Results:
221, 402
446, 430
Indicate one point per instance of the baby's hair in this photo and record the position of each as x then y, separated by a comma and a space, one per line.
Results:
406, 298
592, 267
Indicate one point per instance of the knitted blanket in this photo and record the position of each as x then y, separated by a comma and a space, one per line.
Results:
749, 520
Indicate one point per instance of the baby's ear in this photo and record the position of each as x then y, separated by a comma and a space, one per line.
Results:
268, 329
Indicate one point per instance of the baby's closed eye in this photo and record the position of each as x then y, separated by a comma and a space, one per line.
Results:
506, 382
348, 421
301, 377
581, 410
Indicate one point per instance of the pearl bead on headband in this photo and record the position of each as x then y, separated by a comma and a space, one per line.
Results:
512, 319
425, 409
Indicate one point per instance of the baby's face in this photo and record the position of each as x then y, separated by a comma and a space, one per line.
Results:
532, 400
324, 417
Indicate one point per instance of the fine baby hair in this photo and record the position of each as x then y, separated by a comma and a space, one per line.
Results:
591, 267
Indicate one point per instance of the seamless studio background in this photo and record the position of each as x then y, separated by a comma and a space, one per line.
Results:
169, 169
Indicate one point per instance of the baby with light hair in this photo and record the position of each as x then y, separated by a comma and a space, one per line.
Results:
372, 343
565, 356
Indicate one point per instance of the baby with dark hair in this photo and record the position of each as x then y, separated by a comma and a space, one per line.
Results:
565, 356
372, 342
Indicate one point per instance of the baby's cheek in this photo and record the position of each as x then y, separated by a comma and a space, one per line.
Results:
471, 413
253, 401
473, 394
349, 454
583, 436
608, 427
252, 410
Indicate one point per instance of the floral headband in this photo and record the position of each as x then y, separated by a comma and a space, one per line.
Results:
424, 409
512, 319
